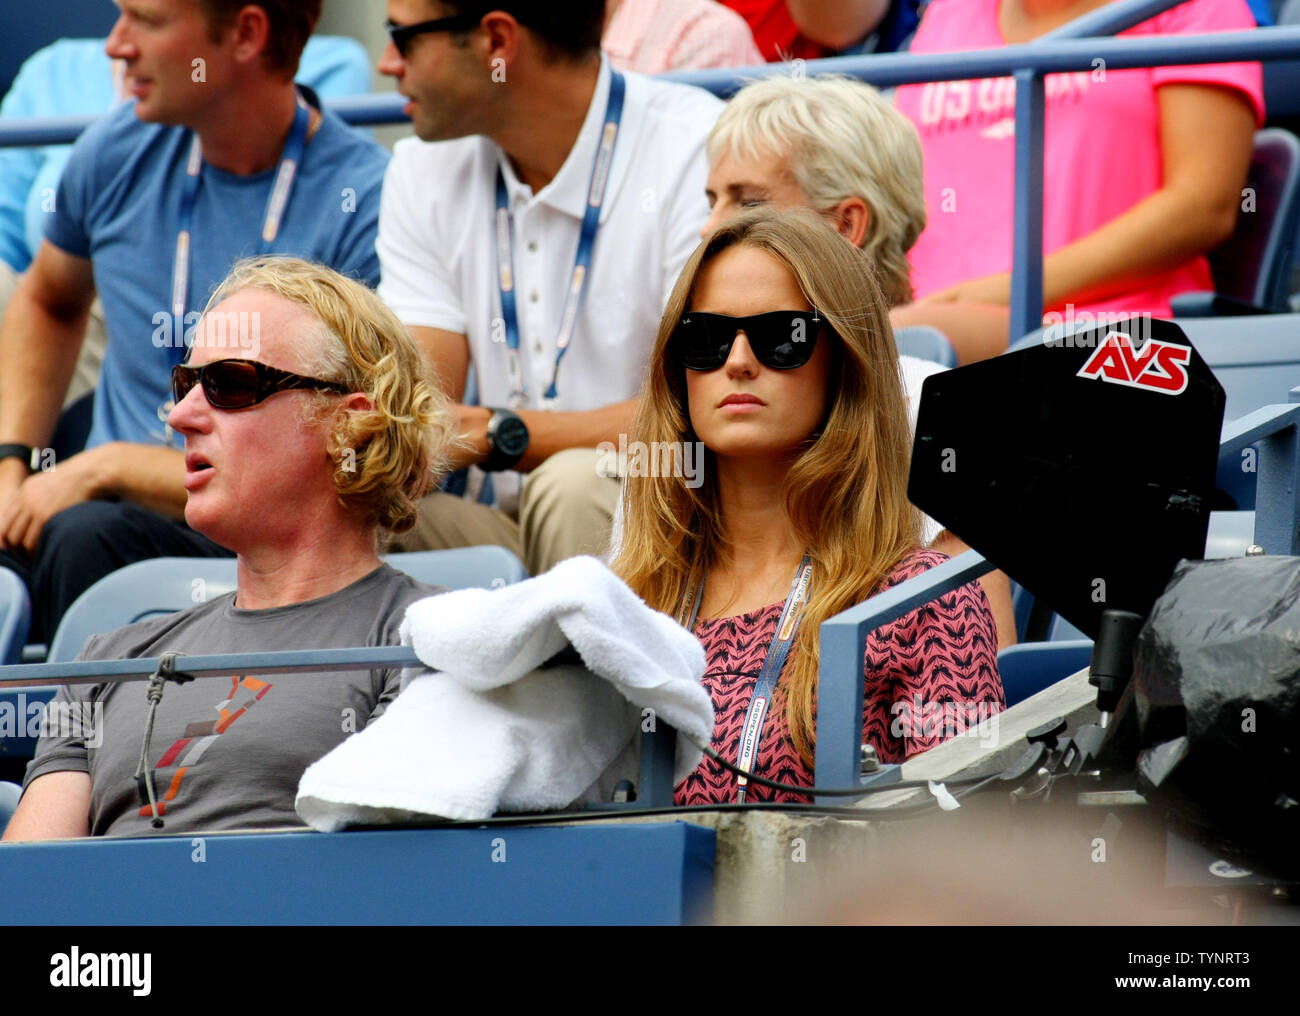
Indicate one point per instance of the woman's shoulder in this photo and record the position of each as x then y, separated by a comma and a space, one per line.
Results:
957, 615
916, 562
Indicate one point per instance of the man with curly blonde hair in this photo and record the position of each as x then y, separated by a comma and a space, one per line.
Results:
301, 443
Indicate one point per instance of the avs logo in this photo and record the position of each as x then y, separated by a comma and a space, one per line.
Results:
1157, 366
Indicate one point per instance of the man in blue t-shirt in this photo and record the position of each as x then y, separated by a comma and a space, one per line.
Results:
219, 157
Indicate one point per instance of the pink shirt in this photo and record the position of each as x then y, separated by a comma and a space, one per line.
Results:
1101, 156
653, 36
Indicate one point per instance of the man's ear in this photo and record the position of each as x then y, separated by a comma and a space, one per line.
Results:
500, 38
357, 402
852, 218
252, 32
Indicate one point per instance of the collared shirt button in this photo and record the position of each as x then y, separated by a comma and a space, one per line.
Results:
537, 347
532, 247
533, 296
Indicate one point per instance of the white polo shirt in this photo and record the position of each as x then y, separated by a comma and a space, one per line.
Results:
437, 249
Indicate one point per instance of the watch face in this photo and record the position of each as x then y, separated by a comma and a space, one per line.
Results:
511, 435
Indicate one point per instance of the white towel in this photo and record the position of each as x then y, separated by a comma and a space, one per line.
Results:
489, 731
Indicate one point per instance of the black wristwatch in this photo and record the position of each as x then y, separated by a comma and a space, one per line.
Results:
507, 441
17, 451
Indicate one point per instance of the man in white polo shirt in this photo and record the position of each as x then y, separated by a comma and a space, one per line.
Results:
540, 250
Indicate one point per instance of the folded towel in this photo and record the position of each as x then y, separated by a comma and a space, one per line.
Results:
494, 728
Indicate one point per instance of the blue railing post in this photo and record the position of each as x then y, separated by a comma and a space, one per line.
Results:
1027, 247
837, 758
1275, 430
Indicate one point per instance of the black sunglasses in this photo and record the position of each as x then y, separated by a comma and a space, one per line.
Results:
403, 34
238, 384
781, 339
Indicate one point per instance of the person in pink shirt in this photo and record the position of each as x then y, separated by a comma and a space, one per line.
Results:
1143, 171
653, 36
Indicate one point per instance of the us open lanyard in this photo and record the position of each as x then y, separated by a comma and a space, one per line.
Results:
581, 262
276, 203
752, 732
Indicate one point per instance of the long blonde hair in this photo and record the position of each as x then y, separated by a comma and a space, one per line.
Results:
845, 495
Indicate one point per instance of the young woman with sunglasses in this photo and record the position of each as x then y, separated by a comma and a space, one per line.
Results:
775, 352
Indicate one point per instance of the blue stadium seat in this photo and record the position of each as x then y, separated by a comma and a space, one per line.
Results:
1252, 268
925, 343
1030, 667
9, 794
15, 616
167, 584
485, 567
145, 589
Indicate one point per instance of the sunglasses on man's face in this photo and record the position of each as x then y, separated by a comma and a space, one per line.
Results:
780, 339
238, 384
403, 34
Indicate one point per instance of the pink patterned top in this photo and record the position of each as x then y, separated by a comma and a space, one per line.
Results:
929, 675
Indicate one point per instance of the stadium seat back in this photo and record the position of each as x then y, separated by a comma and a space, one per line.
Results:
1030, 667
168, 584
139, 591
1253, 266
925, 343
485, 567
15, 616
16, 703
9, 794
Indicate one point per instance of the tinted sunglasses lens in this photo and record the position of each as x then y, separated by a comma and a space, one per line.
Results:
783, 340
701, 344
400, 36
229, 384
183, 380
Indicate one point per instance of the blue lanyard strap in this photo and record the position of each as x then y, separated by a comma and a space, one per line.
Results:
751, 734
581, 262
277, 201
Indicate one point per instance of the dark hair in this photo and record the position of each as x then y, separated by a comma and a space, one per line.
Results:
570, 29
291, 23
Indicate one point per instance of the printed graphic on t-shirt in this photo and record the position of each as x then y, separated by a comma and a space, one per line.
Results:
990, 103
199, 736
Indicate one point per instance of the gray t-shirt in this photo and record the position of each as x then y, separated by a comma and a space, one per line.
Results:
227, 752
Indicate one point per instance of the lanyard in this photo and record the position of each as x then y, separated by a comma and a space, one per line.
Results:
786, 628
581, 262
276, 203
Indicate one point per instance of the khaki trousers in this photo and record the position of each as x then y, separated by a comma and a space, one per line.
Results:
566, 508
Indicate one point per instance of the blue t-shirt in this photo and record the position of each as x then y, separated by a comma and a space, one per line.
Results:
119, 205
74, 77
